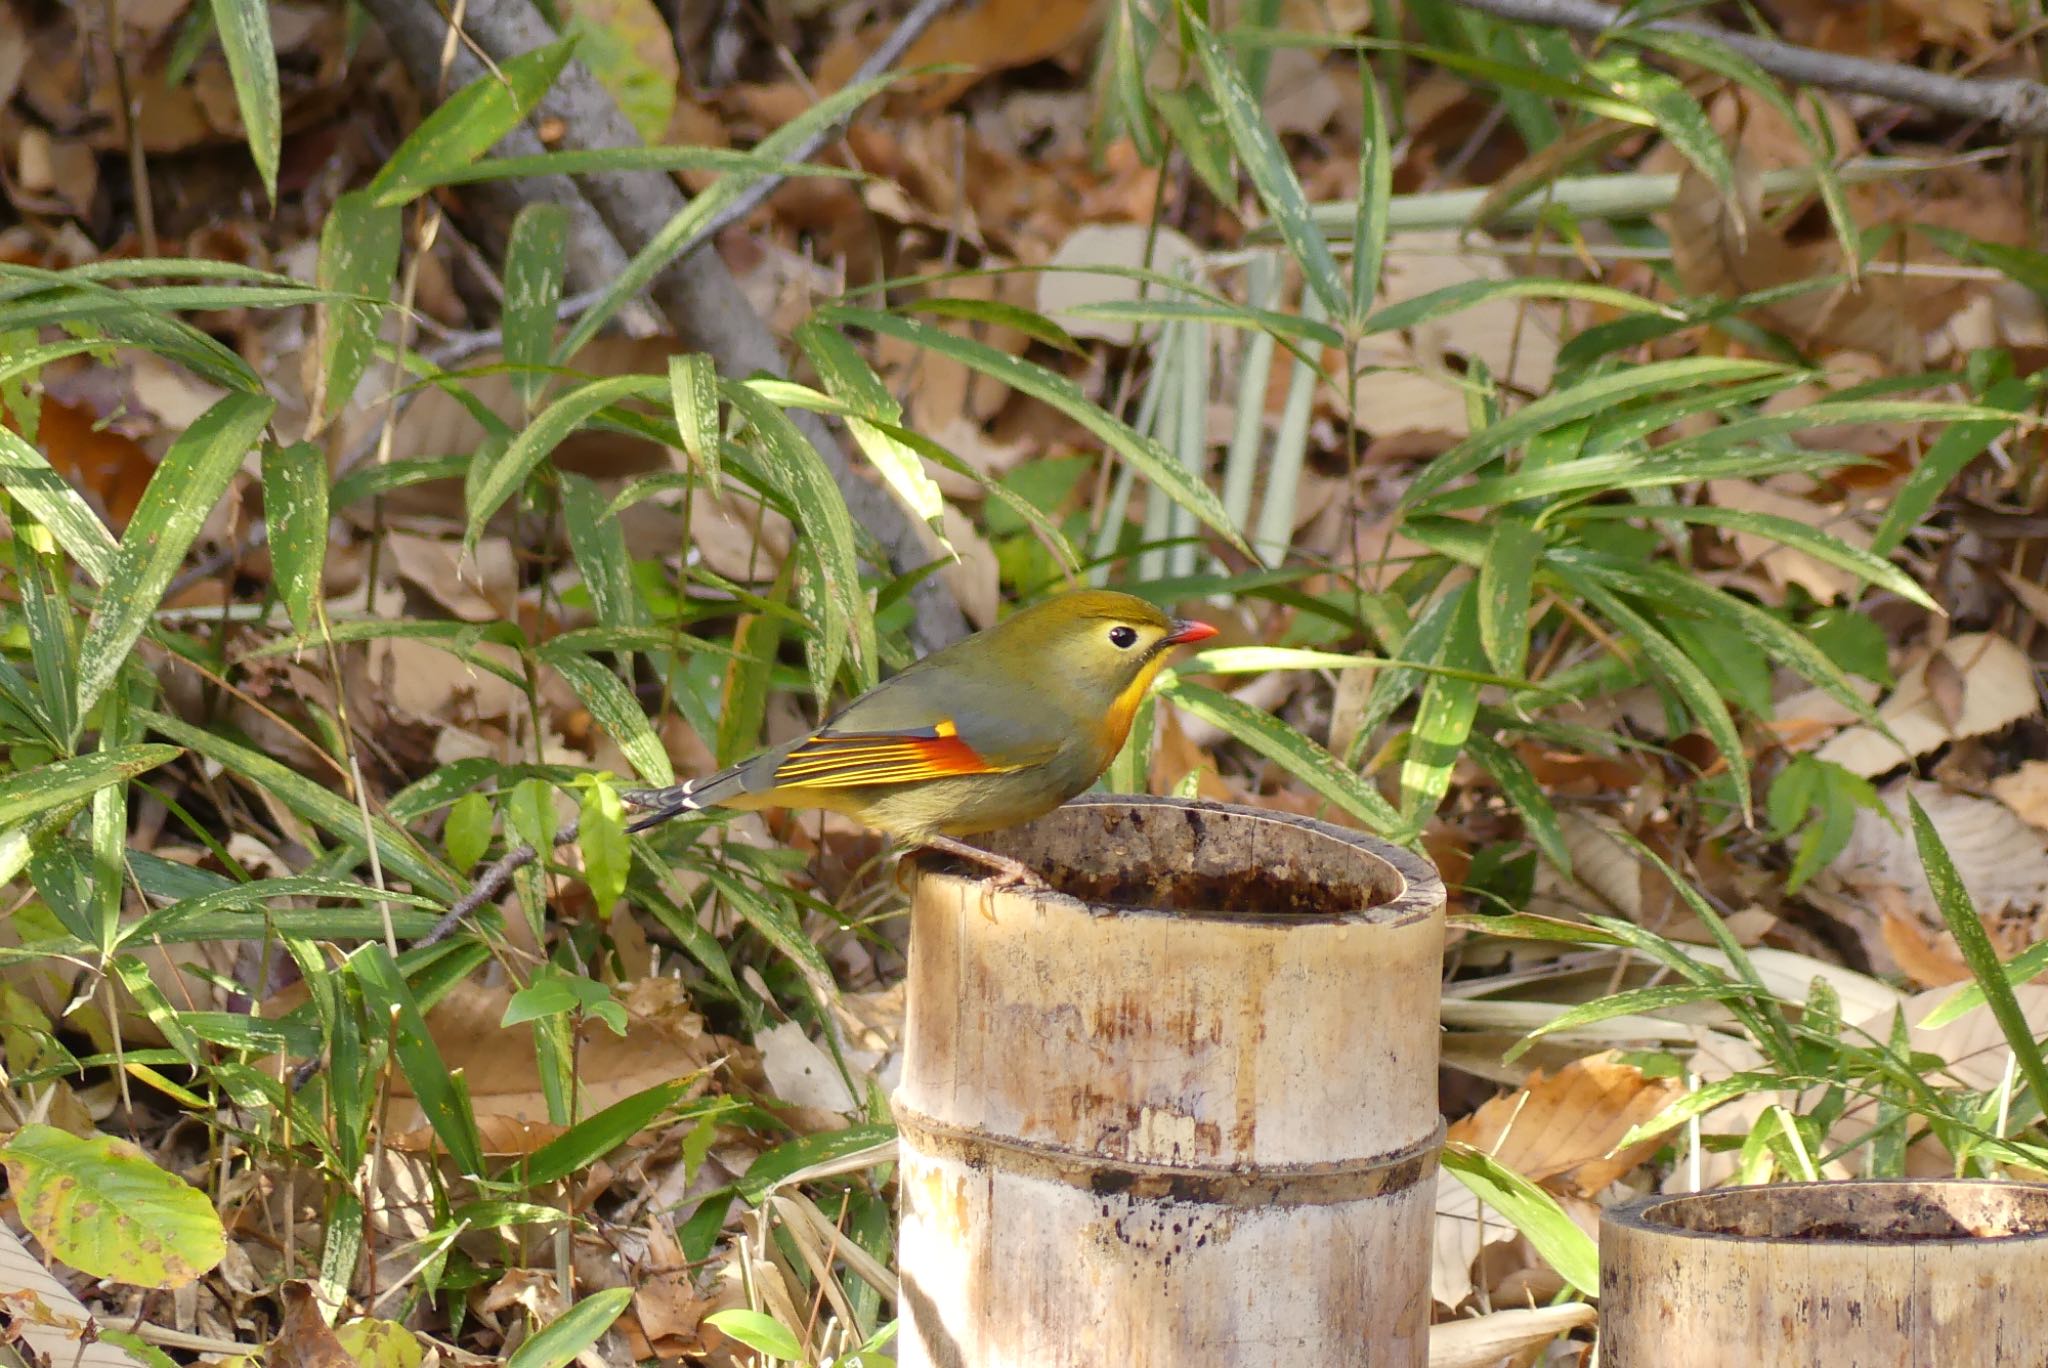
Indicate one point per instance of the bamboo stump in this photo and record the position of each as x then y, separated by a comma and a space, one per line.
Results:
1178, 1111
1929, 1274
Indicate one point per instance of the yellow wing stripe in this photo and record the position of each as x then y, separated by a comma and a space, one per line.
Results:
883, 758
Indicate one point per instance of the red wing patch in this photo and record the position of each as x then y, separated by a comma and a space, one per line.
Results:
847, 759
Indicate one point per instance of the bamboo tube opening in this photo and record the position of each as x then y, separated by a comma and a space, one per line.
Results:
1827, 1275
1879, 1212
1179, 1105
1208, 861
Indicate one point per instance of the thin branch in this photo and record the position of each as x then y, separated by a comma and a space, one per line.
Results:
489, 884
2017, 105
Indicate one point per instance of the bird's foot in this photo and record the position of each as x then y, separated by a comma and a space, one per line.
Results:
1009, 873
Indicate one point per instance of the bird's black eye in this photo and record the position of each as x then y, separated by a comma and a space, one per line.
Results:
1124, 637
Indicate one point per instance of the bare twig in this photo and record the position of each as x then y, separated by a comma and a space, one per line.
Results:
2019, 106
490, 883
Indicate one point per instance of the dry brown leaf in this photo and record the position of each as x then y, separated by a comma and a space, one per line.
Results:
47, 1316
1784, 564
1924, 957
2025, 791
303, 1338
2001, 860
106, 465
1121, 246
1408, 382
1465, 1230
481, 585
1566, 1125
1998, 690
2032, 596
1729, 248
13, 50
996, 35
664, 1040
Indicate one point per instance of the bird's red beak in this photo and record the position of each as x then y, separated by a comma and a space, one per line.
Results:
1185, 631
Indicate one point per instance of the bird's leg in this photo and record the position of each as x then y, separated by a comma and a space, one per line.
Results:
1009, 873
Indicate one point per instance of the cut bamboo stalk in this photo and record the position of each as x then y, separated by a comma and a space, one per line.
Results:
1178, 1109
1931, 1274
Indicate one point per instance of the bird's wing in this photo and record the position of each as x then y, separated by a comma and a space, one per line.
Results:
846, 759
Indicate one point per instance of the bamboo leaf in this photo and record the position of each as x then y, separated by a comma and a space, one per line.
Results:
1701, 699
319, 804
468, 124
501, 478
1524, 795
1532, 1211
1505, 577
599, 545
244, 28
183, 491
1960, 912
1601, 394
295, 510
562, 1339
358, 256
1289, 749
1788, 531
534, 259
1266, 163
27, 792
705, 206
1443, 717
800, 475
693, 392
52, 501
849, 378
1154, 461
612, 704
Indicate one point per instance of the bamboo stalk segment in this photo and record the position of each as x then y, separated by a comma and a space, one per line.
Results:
1178, 1110
1913, 1273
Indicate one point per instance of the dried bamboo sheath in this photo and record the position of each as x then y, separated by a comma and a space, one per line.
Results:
1903, 1274
1185, 1117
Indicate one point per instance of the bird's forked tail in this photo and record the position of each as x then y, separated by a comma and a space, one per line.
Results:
694, 795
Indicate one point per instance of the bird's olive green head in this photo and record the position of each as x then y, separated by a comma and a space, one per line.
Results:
1105, 646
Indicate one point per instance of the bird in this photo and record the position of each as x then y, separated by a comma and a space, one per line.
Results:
989, 732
